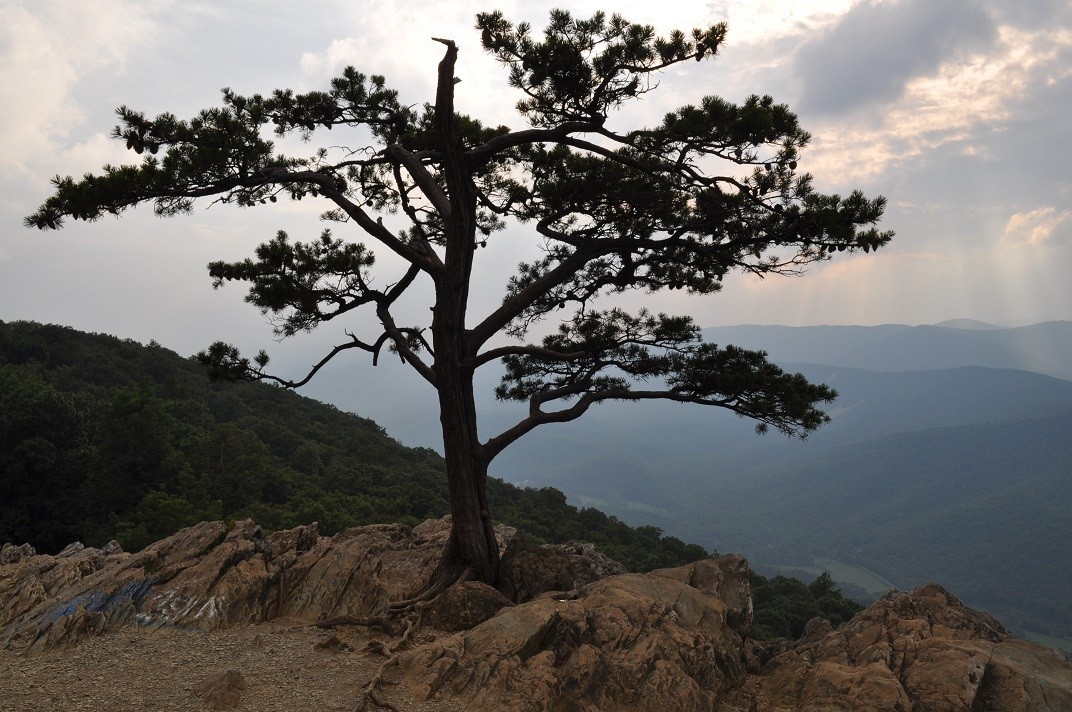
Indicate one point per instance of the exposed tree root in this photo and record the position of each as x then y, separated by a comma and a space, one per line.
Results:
432, 592
411, 611
375, 699
368, 693
391, 650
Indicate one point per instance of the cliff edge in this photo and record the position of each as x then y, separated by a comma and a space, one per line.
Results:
567, 629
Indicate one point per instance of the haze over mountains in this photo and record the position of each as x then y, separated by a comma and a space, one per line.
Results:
1043, 348
947, 459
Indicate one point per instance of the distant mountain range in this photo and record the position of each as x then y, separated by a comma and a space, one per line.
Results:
1042, 348
398, 401
947, 459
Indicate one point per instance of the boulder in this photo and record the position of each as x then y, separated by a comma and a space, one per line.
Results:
222, 691
464, 606
330, 642
526, 572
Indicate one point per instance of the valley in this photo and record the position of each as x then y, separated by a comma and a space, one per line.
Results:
946, 459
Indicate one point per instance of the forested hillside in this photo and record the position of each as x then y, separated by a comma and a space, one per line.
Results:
104, 438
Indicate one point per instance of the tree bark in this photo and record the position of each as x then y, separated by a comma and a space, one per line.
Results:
472, 542
472, 545
472, 550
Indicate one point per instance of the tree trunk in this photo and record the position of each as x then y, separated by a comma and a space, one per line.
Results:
472, 545
472, 550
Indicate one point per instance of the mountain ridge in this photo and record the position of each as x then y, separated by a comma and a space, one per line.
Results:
1045, 347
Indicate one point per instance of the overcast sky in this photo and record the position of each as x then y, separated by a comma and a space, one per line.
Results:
958, 111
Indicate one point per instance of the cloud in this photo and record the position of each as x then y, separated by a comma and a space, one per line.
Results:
877, 48
1033, 14
97, 150
1036, 227
969, 141
47, 47
762, 23
968, 103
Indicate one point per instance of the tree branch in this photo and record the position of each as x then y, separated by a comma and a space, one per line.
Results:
424, 179
396, 290
480, 155
425, 259
398, 336
527, 350
539, 417
515, 305
501, 441
354, 344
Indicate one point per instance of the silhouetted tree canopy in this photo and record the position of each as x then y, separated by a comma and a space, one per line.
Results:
712, 189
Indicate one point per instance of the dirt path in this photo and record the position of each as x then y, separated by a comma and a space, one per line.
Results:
136, 669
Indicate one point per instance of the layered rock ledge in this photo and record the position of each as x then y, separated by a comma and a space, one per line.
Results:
567, 630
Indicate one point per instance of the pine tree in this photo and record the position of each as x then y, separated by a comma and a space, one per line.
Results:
711, 190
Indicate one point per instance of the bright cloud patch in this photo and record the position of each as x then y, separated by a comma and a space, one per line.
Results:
758, 23
339, 54
964, 101
46, 49
1036, 226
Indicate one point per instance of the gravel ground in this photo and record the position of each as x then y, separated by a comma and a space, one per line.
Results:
143, 670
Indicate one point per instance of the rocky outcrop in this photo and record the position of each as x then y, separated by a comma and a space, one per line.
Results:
725, 578
673, 639
10, 554
215, 575
922, 651
629, 642
570, 633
